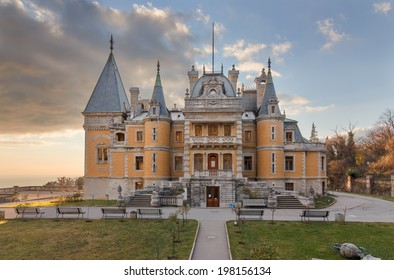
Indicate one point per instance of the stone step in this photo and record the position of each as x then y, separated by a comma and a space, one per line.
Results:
140, 201
289, 202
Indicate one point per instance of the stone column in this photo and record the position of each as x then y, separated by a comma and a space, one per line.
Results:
392, 185
368, 184
186, 153
349, 184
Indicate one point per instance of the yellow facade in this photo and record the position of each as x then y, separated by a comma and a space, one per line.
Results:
221, 140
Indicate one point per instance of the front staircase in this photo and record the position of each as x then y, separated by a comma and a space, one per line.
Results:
289, 202
140, 200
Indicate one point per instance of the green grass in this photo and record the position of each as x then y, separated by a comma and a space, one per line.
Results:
307, 240
324, 201
104, 239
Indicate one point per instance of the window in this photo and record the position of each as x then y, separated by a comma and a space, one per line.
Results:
139, 163
102, 155
273, 133
198, 166
140, 136
289, 186
178, 136
248, 136
139, 185
154, 111
273, 109
273, 163
212, 130
248, 163
154, 136
289, 163
323, 163
198, 130
227, 130
178, 163
289, 136
119, 137
227, 162
154, 158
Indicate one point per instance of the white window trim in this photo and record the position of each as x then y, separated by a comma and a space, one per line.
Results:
136, 138
273, 163
273, 133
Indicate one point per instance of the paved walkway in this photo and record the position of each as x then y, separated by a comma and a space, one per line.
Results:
212, 243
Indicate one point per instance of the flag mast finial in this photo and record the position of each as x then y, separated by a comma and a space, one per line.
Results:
213, 47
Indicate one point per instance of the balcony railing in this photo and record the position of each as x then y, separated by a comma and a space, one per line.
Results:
213, 174
213, 140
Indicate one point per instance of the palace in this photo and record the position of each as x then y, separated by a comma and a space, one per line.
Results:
226, 139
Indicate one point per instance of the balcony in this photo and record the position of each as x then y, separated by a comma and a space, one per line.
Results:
212, 174
213, 140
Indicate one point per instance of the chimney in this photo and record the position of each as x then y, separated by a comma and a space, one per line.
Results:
134, 92
193, 77
233, 77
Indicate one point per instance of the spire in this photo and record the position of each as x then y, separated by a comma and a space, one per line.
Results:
269, 74
158, 94
109, 95
269, 95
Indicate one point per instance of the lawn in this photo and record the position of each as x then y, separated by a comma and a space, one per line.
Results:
104, 239
307, 240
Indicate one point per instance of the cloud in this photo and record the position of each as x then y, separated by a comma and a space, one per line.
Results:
282, 48
242, 51
382, 7
52, 53
297, 104
326, 27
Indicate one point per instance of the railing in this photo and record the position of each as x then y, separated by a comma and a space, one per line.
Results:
213, 173
213, 140
168, 200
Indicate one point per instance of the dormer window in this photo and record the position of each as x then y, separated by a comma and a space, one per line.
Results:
154, 111
272, 109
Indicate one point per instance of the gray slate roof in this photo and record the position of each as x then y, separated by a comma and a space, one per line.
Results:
158, 96
109, 95
269, 93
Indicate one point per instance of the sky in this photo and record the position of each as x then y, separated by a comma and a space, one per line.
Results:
331, 62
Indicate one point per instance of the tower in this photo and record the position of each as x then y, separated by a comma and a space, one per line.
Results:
157, 137
104, 116
270, 141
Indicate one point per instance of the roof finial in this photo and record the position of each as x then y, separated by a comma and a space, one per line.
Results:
158, 66
111, 43
269, 64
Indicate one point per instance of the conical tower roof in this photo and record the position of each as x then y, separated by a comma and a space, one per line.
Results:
109, 95
269, 92
158, 94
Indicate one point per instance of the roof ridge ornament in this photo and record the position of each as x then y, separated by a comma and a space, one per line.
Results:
158, 66
269, 64
111, 41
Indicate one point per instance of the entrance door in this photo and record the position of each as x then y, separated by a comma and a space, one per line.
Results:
213, 196
213, 164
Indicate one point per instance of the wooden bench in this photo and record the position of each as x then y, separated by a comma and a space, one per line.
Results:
150, 211
114, 212
249, 202
69, 211
242, 213
314, 214
29, 211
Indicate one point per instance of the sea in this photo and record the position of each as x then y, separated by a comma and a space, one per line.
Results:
22, 181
